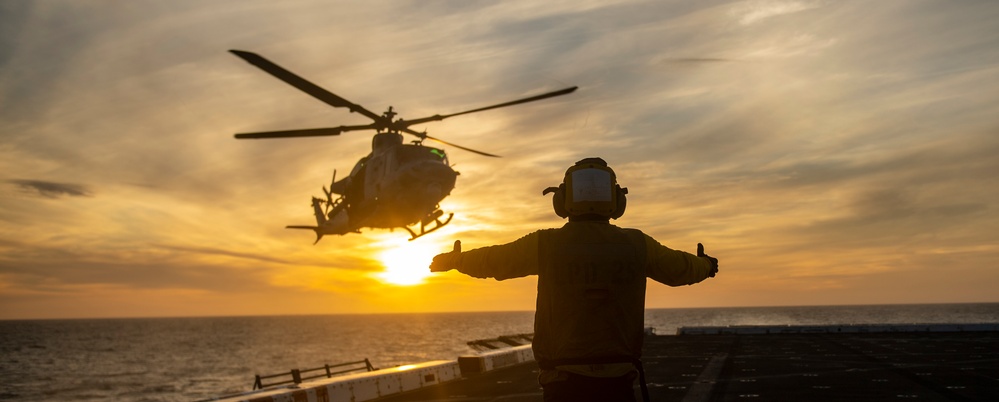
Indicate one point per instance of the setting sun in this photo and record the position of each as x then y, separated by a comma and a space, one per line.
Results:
406, 264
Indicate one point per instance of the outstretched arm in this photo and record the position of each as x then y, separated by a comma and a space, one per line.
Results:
512, 260
678, 268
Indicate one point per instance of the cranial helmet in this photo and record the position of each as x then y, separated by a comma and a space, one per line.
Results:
589, 188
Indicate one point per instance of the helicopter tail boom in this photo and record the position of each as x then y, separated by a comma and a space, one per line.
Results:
336, 223
319, 232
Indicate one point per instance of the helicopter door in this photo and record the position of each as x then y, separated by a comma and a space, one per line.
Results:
378, 173
348, 185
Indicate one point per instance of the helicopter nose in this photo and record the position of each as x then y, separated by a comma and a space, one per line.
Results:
433, 192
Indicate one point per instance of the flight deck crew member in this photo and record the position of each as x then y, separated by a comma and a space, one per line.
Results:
589, 323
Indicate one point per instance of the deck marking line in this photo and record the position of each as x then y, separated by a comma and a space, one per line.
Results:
700, 390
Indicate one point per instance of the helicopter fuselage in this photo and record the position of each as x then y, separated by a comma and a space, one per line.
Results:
397, 185
401, 184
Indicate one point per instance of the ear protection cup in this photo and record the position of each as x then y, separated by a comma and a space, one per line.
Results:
558, 202
622, 202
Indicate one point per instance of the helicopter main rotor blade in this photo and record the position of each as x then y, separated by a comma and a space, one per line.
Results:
438, 117
309, 132
461, 147
425, 136
302, 84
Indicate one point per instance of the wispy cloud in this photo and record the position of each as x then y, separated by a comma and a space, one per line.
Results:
753, 11
696, 60
49, 189
219, 252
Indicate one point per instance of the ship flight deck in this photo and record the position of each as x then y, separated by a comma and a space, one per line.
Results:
954, 362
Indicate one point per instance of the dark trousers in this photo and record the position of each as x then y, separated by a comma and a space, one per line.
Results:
579, 388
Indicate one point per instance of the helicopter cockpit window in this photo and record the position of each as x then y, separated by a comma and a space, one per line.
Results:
439, 153
412, 153
358, 166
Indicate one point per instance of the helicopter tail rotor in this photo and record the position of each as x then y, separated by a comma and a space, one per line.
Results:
329, 192
320, 220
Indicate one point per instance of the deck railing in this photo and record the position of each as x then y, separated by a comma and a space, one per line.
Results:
482, 345
296, 376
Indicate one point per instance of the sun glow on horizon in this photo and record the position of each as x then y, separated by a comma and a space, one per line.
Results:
406, 264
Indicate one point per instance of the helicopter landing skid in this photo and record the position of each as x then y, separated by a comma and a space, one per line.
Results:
434, 217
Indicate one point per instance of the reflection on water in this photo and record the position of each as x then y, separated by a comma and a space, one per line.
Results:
180, 359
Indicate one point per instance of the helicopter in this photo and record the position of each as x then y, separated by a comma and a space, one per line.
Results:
396, 185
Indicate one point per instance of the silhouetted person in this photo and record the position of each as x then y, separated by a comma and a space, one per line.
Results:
589, 323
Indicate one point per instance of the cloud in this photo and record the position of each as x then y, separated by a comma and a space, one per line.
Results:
14, 16
242, 255
38, 269
791, 140
754, 11
696, 60
49, 189
346, 264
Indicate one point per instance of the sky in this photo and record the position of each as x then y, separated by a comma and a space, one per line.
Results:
826, 152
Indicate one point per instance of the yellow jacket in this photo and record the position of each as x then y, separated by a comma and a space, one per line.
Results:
591, 285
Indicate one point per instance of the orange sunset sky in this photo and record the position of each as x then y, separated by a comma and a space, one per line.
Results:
827, 152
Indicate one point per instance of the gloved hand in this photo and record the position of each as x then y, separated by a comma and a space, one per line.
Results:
446, 261
713, 260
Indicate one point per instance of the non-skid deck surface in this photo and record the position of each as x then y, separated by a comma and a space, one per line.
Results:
925, 366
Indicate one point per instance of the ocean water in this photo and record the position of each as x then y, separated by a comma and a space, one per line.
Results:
184, 359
